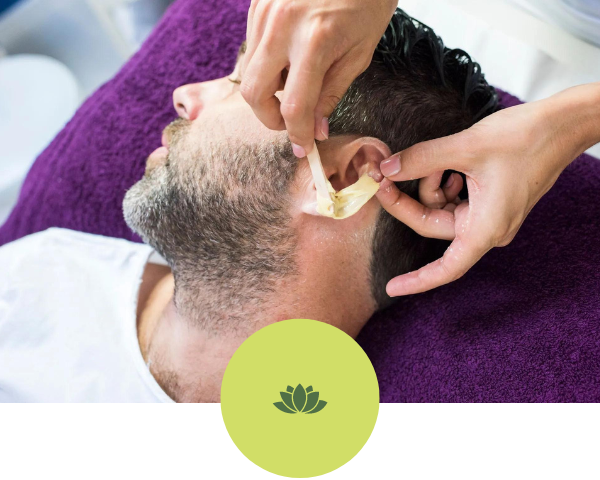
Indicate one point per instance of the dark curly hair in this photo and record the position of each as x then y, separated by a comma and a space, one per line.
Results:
415, 89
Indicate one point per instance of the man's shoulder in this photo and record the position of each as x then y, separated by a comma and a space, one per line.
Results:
67, 318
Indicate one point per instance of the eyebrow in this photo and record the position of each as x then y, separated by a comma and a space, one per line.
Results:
241, 51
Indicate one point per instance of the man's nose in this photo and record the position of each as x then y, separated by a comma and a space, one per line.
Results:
187, 101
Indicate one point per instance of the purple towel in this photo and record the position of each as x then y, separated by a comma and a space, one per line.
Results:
523, 325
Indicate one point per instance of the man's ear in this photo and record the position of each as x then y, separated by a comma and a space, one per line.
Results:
345, 159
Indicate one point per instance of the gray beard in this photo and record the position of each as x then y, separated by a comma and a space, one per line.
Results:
222, 223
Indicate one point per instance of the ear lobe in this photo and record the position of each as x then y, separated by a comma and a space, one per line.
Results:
355, 159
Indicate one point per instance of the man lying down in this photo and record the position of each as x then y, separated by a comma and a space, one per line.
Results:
226, 203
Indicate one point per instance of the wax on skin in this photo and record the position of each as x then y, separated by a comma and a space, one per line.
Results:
349, 200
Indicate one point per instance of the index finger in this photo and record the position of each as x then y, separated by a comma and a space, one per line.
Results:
460, 256
250, 22
300, 96
260, 81
427, 222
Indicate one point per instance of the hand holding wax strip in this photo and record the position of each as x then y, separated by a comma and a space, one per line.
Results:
346, 202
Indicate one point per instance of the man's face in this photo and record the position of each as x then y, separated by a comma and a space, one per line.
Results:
230, 207
210, 113
215, 198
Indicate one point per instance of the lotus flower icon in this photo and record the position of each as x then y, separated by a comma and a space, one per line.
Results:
299, 400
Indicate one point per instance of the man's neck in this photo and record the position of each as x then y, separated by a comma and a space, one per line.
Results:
188, 361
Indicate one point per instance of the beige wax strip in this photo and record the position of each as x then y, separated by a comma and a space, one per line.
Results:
324, 188
346, 202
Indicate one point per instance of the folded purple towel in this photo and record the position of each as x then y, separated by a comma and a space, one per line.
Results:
523, 325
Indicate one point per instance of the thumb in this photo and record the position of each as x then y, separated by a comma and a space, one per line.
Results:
336, 82
426, 158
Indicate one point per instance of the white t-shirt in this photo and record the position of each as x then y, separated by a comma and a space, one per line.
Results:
68, 320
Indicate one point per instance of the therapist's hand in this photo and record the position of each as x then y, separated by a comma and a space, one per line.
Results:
510, 159
321, 46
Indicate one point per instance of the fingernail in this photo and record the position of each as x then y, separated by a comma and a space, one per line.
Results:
450, 181
298, 151
325, 127
391, 166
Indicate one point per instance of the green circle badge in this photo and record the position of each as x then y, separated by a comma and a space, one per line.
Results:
300, 398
